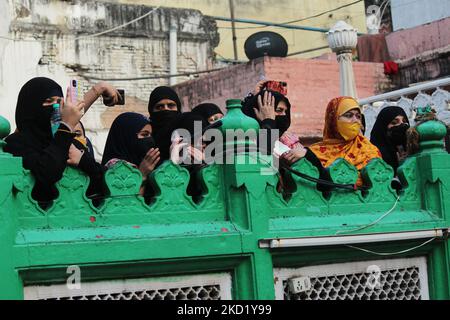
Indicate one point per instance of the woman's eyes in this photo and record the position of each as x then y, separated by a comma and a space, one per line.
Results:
144, 134
351, 115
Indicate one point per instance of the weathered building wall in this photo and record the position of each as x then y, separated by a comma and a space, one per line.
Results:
412, 13
279, 11
311, 85
423, 52
55, 45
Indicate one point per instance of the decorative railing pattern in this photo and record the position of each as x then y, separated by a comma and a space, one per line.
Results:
432, 93
230, 230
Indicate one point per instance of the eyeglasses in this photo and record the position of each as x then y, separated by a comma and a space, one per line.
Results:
351, 115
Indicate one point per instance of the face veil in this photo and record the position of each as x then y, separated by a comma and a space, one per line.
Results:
32, 118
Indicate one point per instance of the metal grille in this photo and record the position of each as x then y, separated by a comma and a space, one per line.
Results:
202, 287
403, 279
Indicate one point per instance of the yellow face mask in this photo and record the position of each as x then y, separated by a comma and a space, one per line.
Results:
348, 130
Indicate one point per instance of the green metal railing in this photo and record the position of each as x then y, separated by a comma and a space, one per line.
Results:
235, 228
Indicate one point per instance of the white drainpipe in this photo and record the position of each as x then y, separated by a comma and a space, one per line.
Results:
173, 53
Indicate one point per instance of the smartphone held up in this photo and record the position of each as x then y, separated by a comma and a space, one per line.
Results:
277, 86
73, 90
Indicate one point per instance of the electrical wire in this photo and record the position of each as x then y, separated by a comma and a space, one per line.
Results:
373, 223
384, 254
89, 35
151, 77
298, 20
350, 187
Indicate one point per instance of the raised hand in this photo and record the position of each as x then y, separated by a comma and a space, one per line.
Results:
71, 113
259, 86
109, 93
295, 154
150, 162
266, 107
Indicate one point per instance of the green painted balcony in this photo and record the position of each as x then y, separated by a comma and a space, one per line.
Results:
241, 240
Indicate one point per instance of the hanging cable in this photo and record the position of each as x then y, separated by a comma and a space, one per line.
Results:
350, 187
373, 223
385, 254
162, 76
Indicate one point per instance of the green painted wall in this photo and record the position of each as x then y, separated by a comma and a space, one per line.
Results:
125, 238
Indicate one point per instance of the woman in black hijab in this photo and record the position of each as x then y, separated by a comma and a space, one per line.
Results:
258, 106
209, 111
130, 139
280, 119
44, 154
164, 107
188, 151
389, 135
192, 144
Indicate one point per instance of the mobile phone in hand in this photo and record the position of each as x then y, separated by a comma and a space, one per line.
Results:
277, 86
108, 101
121, 101
73, 90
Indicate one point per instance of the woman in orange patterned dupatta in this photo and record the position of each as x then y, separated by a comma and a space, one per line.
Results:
342, 136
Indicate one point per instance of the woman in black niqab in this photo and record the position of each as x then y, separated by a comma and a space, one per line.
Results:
43, 154
123, 142
210, 112
126, 142
383, 138
165, 121
281, 122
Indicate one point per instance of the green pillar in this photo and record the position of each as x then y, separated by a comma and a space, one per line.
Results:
246, 203
434, 179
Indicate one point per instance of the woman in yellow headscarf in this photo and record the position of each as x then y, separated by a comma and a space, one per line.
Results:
342, 136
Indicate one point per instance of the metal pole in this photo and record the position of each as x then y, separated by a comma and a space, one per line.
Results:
233, 29
272, 24
173, 39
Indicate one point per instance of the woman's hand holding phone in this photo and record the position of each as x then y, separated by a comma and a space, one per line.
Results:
71, 112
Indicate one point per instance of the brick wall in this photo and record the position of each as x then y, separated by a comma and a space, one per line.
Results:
311, 85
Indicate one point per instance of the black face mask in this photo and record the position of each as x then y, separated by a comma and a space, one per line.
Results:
143, 146
80, 146
283, 123
397, 134
163, 119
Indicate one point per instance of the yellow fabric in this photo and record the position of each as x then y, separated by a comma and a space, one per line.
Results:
348, 130
346, 105
358, 151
